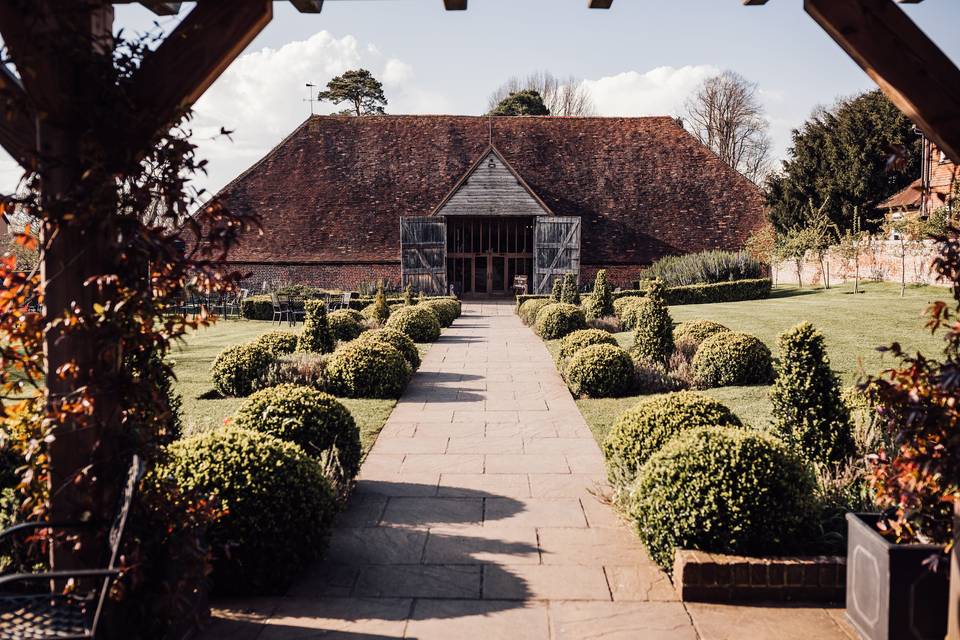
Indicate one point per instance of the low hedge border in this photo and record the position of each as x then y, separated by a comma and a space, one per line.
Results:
260, 306
734, 291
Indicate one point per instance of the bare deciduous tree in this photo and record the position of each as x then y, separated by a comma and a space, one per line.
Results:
725, 114
562, 96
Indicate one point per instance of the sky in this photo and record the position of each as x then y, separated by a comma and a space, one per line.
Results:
642, 57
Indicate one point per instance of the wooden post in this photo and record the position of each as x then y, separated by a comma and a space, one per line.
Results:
953, 602
70, 258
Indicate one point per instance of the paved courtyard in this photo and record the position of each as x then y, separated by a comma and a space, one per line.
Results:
481, 512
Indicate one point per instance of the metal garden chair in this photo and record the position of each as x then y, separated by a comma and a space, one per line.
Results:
343, 303
297, 311
278, 310
45, 612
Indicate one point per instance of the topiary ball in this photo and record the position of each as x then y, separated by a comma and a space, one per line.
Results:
600, 371
722, 490
237, 370
624, 309
419, 323
731, 358
344, 324
354, 313
643, 429
398, 340
652, 330
315, 420
277, 505
696, 331
574, 342
559, 319
530, 308
278, 343
446, 309
368, 369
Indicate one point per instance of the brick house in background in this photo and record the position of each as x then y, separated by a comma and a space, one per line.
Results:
467, 203
935, 188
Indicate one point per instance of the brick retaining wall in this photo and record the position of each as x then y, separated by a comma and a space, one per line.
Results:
713, 577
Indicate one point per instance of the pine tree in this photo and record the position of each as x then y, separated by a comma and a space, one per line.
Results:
808, 410
570, 294
317, 336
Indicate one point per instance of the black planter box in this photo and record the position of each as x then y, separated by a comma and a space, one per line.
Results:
891, 593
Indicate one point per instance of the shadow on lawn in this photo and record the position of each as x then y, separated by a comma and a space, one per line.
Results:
398, 552
792, 293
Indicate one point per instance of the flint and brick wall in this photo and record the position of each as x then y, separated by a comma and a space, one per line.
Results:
346, 276
880, 261
621, 275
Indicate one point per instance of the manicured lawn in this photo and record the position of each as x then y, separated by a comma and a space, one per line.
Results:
203, 410
853, 326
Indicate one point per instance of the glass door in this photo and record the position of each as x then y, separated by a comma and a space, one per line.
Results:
480, 272
498, 274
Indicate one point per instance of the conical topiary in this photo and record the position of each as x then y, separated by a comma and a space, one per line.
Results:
570, 294
381, 310
601, 301
808, 409
557, 291
317, 337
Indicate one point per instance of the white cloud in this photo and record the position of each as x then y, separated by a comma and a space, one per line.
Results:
396, 73
261, 97
657, 92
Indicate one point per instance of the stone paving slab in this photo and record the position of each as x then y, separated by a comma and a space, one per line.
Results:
482, 513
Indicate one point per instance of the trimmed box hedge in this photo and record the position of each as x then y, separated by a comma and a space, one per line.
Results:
734, 291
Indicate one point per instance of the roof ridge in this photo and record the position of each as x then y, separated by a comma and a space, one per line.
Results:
397, 116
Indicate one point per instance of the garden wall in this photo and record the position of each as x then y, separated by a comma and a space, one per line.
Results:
880, 261
328, 275
622, 275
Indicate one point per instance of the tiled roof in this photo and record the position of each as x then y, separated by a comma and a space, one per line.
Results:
943, 178
335, 189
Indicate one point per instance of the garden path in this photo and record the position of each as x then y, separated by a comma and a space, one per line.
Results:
480, 513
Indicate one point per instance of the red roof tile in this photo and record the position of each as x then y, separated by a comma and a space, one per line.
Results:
334, 189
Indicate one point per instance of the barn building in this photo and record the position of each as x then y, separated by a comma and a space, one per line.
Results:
464, 204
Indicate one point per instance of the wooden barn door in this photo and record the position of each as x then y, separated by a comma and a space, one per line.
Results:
423, 254
556, 246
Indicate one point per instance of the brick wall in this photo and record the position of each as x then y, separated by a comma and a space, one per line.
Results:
714, 577
347, 276
621, 275
880, 260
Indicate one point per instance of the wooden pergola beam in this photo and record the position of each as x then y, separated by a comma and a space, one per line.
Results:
307, 6
455, 5
910, 69
202, 46
599, 4
18, 128
162, 8
761, 2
